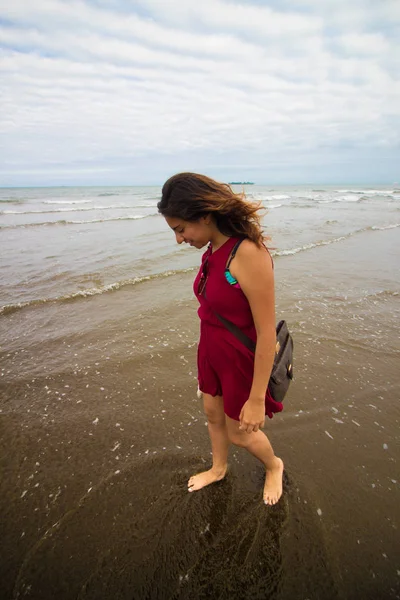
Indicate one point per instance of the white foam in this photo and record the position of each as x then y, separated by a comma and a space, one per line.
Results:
308, 246
5, 309
292, 251
60, 210
126, 218
369, 192
277, 197
66, 201
375, 227
348, 198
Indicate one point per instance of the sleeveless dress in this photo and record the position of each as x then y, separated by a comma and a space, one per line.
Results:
225, 365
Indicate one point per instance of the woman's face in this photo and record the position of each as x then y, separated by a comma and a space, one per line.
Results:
195, 233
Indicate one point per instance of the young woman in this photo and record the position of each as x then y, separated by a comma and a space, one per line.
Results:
235, 281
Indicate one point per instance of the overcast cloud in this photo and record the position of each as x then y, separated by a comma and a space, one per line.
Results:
129, 92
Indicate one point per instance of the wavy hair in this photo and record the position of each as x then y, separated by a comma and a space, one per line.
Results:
190, 196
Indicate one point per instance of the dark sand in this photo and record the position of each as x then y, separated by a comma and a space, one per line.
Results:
101, 428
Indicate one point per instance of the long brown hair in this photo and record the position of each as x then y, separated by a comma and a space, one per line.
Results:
190, 196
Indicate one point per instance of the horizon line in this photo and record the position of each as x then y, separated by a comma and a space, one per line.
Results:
108, 185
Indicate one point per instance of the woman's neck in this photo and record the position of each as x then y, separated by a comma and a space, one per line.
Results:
218, 239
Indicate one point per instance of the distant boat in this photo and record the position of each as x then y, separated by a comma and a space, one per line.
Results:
241, 183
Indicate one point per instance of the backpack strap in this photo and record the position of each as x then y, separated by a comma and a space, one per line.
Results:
232, 254
234, 250
238, 333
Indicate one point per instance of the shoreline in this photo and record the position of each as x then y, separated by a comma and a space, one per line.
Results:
189, 265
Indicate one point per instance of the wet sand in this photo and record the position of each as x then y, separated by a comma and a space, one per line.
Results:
101, 428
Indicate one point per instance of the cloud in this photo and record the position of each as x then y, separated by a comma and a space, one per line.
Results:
120, 92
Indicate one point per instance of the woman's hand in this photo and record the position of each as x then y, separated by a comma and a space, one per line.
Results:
252, 415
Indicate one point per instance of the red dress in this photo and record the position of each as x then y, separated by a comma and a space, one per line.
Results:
225, 365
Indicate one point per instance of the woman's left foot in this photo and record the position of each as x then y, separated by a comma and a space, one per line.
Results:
273, 483
205, 478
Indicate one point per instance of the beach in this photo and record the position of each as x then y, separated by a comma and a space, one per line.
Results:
101, 425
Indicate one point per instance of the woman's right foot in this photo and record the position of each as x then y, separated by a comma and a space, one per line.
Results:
273, 483
205, 478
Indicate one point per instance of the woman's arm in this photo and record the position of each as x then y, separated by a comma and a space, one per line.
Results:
252, 267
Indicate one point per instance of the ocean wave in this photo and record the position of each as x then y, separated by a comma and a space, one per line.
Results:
381, 294
13, 200
8, 309
376, 228
273, 206
66, 201
277, 197
11, 308
61, 210
369, 192
65, 222
107, 194
345, 198
292, 251
348, 198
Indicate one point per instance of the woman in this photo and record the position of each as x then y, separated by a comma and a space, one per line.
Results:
235, 281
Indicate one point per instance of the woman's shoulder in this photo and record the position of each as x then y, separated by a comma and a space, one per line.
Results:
249, 253
248, 248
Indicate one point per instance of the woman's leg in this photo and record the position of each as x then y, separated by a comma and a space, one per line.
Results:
214, 410
258, 444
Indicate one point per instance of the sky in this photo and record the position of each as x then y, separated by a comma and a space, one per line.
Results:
123, 92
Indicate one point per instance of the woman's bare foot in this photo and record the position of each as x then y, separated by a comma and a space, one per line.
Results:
205, 478
273, 483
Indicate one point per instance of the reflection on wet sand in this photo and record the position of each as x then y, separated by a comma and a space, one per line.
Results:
139, 534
